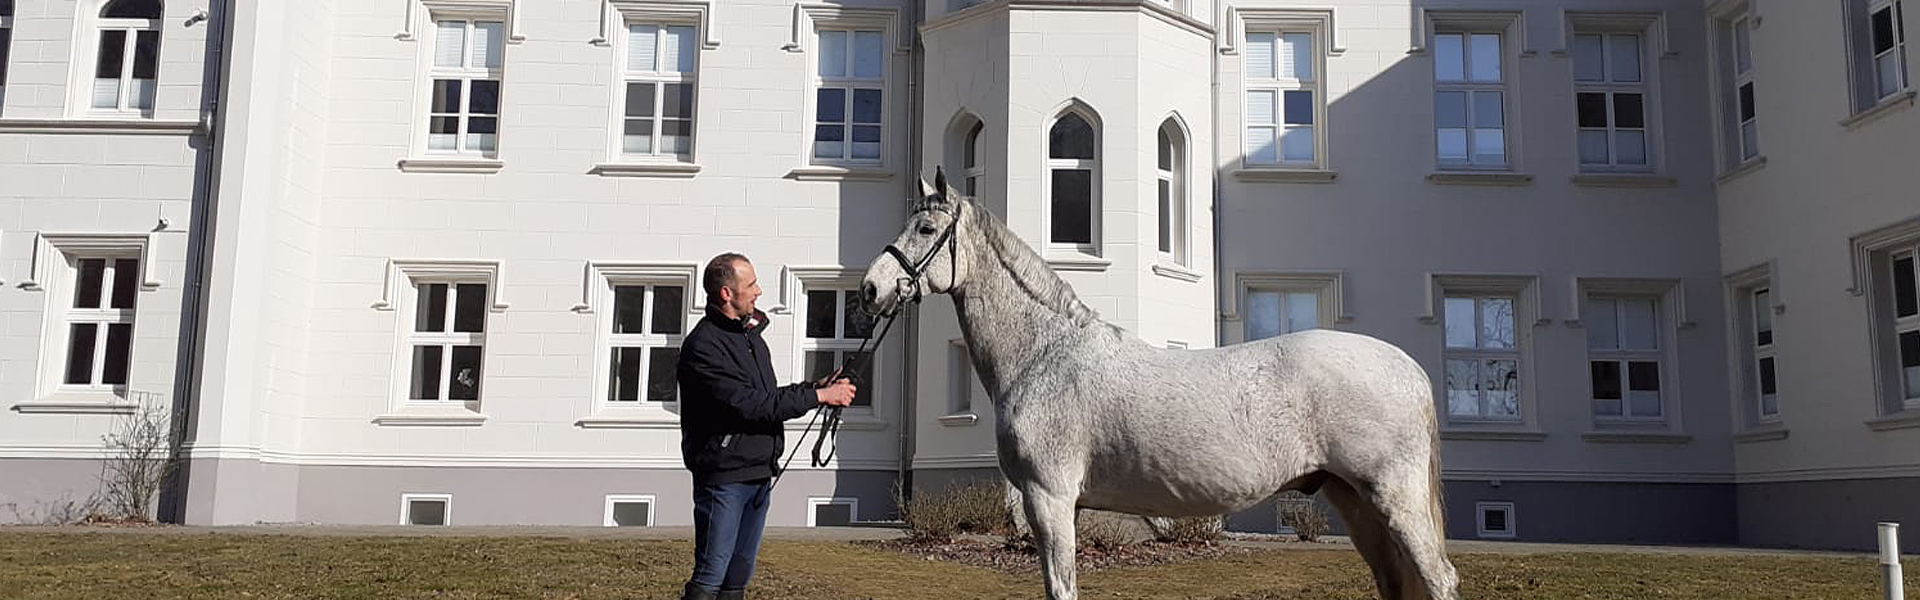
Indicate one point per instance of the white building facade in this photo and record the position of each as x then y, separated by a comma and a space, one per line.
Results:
428, 261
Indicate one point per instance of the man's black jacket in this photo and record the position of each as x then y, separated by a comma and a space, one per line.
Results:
730, 408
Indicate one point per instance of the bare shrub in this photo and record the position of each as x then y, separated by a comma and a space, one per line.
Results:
1303, 514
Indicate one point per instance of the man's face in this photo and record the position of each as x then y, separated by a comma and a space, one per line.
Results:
745, 289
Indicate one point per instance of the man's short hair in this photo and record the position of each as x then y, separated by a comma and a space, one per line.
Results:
721, 272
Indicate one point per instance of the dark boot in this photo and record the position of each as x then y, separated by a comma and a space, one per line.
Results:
693, 592
733, 595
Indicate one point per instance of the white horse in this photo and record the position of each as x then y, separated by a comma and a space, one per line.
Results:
1090, 416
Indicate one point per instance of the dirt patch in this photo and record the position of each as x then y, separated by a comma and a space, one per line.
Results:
997, 555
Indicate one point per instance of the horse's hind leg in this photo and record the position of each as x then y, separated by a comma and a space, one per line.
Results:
1368, 529
1410, 501
1050, 514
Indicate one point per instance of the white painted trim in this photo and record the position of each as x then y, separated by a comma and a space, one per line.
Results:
1495, 178
1480, 510
1623, 180
1651, 23
669, 460
49, 248
815, 502
958, 461
451, 165
613, 499
676, 169
600, 274
422, 11
835, 172
808, 15
1280, 175
1177, 272
1331, 285
1527, 287
1062, 260
406, 508
108, 405
101, 126
966, 419
1483, 433
400, 271
1241, 18
615, 13
1865, 244
1886, 106
1636, 437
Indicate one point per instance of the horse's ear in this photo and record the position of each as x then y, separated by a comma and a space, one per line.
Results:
925, 188
940, 180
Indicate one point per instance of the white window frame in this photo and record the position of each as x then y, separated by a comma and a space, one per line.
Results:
1524, 290
466, 74
406, 508
626, 76
1873, 254
447, 340
1871, 89
54, 271
840, 345
964, 388
1094, 205
1327, 287
850, 83
6, 53
1174, 221
647, 341
1762, 350
1272, 33
815, 502
1480, 510
1623, 357
795, 280
398, 296
1671, 317
973, 165
1481, 352
1734, 47
101, 318
1513, 43
1472, 88
598, 299
1910, 324
1744, 311
87, 60
1611, 88
613, 499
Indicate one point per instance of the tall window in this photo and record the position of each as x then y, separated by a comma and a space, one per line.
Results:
6, 43
1610, 98
849, 100
100, 322
1273, 312
127, 58
1737, 104
1073, 165
1904, 282
1760, 347
1469, 99
1624, 357
1482, 358
1282, 92
648, 324
464, 117
1879, 49
446, 342
971, 165
960, 379
659, 91
836, 326
1170, 172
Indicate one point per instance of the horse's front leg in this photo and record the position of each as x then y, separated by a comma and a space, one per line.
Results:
1050, 514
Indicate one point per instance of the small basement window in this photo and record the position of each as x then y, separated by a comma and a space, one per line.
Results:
629, 511
425, 509
831, 512
1495, 519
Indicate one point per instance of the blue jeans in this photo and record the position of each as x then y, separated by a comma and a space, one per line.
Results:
727, 520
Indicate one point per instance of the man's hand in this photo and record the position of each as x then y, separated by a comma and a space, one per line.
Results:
840, 393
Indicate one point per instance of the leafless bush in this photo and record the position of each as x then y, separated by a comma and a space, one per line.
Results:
139, 459
978, 507
1303, 514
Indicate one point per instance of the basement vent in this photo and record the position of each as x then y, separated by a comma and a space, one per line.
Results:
1495, 519
629, 511
832, 512
425, 509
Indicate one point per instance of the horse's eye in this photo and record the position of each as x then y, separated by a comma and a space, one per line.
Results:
926, 230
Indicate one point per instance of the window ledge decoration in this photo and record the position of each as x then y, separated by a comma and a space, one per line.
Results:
960, 420
1239, 18
446, 414
451, 165
1673, 292
646, 169
1885, 107
1751, 165
840, 173
613, 13
800, 37
400, 270
1284, 175
1480, 178
102, 126
599, 271
1492, 435
1075, 261
1908, 419
416, 16
1636, 437
1763, 433
1526, 287
1866, 244
1172, 271
1338, 308
1623, 180
48, 247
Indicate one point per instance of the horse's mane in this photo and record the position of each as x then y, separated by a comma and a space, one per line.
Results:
1029, 272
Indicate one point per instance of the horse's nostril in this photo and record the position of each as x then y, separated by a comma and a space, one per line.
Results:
868, 292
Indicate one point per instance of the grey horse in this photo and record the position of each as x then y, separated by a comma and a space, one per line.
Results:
1090, 416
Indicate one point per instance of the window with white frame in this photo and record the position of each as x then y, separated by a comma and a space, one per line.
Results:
659, 75
464, 86
1739, 125
1879, 50
1170, 174
1611, 100
645, 327
99, 320
126, 57
849, 95
628, 510
1278, 311
446, 340
836, 326
832, 512
1469, 100
1760, 350
1482, 357
1073, 166
1903, 289
6, 44
1283, 98
972, 167
426, 509
961, 380
1625, 357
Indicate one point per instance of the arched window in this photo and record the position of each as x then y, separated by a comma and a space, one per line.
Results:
127, 57
972, 165
1171, 170
6, 41
1073, 166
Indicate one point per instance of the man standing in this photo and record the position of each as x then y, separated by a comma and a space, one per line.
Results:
730, 427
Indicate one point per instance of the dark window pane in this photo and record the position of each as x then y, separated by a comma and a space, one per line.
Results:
146, 54
1593, 109
866, 106
1072, 206
833, 515
445, 125
87, 292
820, 364
823, 306
866, 134
485, 98
113, 50
1883, 30
430, 308
1606, 380
1164, 154
1746, 102
863, 393
859, 323
1910, 349
625, 383
1450, 109
1496, 520
426, 373
466, 374
640, 100
1166, 216
971, 156
678, 101
1768, 384
126, 283
1643, 376
6, 8
640, 127
427, 512
483, 125
1764, 338
470, 310
830, 106
668, 311
119, 347
629, 308
132, 9
830, 133
6, 42
1627, 111
1904, 301
660, 375
1072, 137
1299, 107
81, 339
446, 96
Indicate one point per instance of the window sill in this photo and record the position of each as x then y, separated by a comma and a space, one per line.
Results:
1907, 419
78, 406
618, 421
851, 418
1478, 178
1172, 271
840, 173
1078, 262
1751, 165
1282, 175
645, 169
1761, 433
444, 414
115, 126
1623, 180
1493, 435
1885, 107
1636, 437
451, 165
960, 420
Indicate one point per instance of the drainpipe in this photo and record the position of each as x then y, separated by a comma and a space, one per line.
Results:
908, 415
193, 301
1221, 26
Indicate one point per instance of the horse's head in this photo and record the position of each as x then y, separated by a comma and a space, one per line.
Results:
925, 257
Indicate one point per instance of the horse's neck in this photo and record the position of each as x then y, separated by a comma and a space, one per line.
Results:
1009, 325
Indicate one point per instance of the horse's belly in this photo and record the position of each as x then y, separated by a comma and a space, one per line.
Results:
1175, 488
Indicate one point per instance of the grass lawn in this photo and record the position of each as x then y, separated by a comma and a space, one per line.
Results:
95, 565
